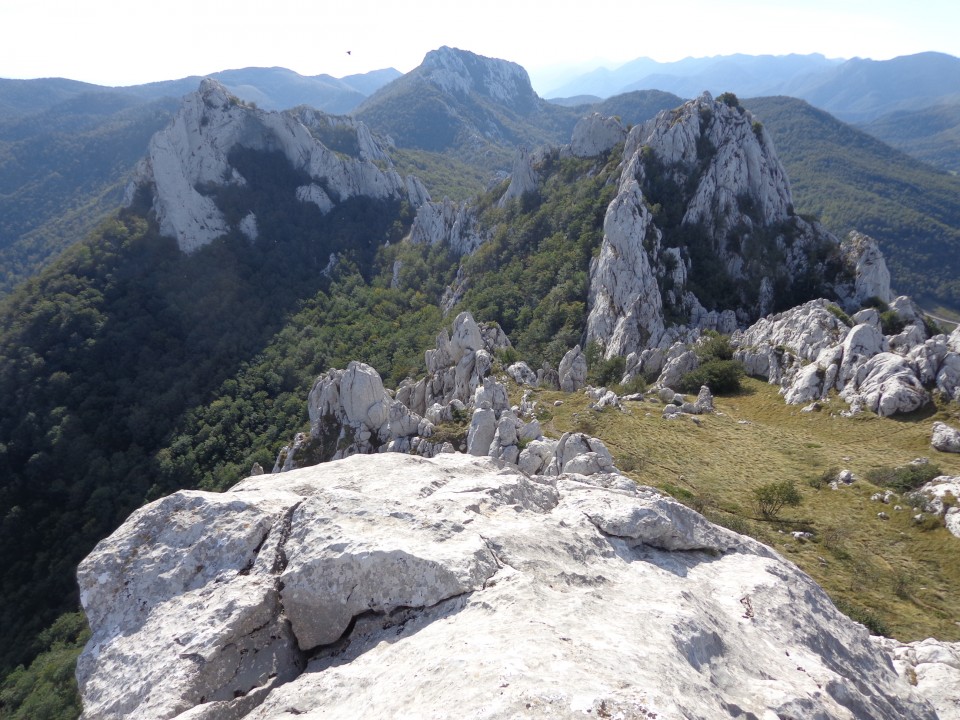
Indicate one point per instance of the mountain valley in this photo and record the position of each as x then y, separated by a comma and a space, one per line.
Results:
265, 298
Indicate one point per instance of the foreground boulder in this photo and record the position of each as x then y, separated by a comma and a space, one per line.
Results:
401, 586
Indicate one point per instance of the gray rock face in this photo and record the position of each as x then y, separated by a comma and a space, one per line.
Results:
573, 370
497, 595
626, 308
193, 152
447, 222
523, 179
596, 134
732, 190
861, 254
945, 438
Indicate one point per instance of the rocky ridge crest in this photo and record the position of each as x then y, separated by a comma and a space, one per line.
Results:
192, 155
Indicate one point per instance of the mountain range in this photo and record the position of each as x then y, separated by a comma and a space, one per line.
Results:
617, 243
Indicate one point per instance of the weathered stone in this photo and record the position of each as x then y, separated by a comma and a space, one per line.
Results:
864, 259
573, 370
945, 438
595, 134
522, 374
193, 152
483, 426
380, 562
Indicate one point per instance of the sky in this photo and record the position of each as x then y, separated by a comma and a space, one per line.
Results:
114, 42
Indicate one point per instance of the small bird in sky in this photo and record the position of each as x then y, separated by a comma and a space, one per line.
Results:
349, 52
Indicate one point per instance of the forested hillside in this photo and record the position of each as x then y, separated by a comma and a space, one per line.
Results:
851, 181
63, 170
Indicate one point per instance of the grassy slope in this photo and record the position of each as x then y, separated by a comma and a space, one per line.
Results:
905, 577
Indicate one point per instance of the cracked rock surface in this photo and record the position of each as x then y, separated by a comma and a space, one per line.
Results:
401, 586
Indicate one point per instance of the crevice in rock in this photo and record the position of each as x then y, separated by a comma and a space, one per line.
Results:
371, 627
280, 559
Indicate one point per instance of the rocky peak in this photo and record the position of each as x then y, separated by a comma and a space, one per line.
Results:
739, 179
460, 72
596, 134
702, 231
191, 156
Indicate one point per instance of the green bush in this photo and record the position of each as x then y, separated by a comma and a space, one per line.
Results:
840, 314
891, 323
905, 477
721, 376
729, 99
771, 498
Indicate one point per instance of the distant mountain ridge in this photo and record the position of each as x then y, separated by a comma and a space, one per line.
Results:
272, 88
856, 90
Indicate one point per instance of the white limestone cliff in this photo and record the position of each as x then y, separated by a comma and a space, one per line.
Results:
190, 156
447, 222
460, 72
398, 586
595, 134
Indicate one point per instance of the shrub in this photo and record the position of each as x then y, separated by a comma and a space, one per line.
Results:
840, 314
771, 498
819, 482
891, 323
904, 478
714, 346
729, 99
637, 384
721, 376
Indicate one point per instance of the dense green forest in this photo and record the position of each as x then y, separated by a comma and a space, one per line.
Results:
931, 134
63, 170
851, 180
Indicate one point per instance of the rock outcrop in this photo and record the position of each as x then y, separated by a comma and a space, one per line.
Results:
933, 667
191, 156
447, 222
596, 134
945, 438
940, 497
523, 179
863, 256
703, 181
398, 586
810, 351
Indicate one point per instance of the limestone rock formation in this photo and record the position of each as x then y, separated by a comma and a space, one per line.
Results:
934, 667
399, 586
866, 262
810, 351
447, 222
461, 73
573, 370
703, 178
626, 311
945, 438
192, 154
523, 179
936, 493
595, 134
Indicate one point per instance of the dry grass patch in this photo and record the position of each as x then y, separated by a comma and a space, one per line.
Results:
898, 577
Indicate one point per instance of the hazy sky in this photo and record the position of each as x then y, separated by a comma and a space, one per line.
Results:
110, 42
